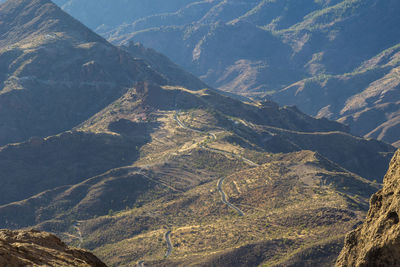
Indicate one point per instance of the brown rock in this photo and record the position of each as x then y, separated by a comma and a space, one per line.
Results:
377, 241
34, 248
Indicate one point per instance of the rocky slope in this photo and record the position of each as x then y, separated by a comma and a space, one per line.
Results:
34, 248
376, 241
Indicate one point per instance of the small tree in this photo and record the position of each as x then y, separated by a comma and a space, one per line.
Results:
110, 212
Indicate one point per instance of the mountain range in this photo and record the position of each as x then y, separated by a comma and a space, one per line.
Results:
335, 59
120, 151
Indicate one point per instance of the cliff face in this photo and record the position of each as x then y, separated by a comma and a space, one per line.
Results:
33, 248
377, 241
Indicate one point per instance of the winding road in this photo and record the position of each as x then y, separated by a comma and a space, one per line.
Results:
214, 138
169, 244
224, 198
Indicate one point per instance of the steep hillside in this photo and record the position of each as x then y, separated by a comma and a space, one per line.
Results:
315, 32
259, 47
40, 164
33, 248
367, 100
163, 65
192, 35
376, 241
56, 73
113, 138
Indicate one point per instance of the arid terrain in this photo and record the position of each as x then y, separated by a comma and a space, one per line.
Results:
119, 151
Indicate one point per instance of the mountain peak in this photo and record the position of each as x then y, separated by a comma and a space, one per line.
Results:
28, 19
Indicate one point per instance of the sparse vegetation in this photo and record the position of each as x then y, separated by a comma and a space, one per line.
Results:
147, 143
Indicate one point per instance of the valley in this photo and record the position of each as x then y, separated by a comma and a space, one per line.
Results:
119, 151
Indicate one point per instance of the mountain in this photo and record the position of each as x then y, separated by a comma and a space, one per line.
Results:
196, 138
375, 242
34, 248
164, 66
159, 169
114, 136
308, 38
367, 99
317, 55
193, 33
49, 60
56, 73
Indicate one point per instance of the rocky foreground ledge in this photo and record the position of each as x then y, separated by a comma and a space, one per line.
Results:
377, 241
34, 248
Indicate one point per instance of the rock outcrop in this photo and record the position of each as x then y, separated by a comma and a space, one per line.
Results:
34, 248
377, 241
